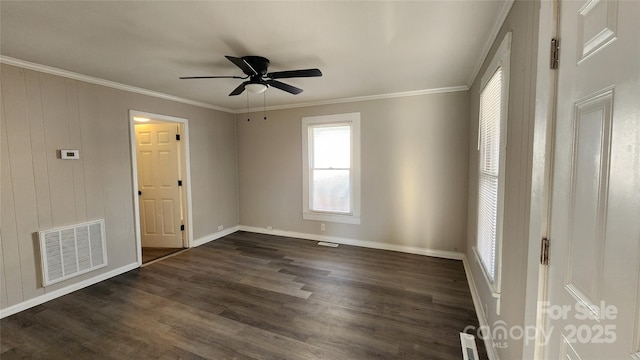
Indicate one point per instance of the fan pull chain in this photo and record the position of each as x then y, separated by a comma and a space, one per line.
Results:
264, 105
248, 119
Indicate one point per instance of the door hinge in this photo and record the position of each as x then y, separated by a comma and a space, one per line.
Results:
544, 251
555, 54
182, 227
178, 137
179, 182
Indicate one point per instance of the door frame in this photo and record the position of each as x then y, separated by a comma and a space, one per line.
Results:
541, 176
185, 161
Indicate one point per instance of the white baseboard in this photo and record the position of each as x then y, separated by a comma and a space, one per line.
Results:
214, 236
477, 304
355, 242
64, 291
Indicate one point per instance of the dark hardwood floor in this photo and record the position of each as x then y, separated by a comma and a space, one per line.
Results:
253, 296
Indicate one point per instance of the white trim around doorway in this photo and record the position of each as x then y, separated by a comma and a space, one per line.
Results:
187, 175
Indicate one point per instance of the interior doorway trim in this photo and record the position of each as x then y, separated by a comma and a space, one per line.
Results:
187, 176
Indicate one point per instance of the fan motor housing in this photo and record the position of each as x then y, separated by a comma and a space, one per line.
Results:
258, 63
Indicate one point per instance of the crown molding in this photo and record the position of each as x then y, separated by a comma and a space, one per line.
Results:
93, 80
502, 16
358, 98
111, 84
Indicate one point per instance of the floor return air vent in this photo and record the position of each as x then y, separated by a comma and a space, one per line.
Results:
469, 350
70, 251
328, 244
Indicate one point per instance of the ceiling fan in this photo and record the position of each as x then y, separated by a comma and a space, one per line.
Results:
255, 69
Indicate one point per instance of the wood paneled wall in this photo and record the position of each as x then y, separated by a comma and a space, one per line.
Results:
42, 114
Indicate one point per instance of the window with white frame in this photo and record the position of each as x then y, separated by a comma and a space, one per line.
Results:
331, 168
494, 90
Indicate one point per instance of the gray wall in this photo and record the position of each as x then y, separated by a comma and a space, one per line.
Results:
523, 22
414, 171
42, 113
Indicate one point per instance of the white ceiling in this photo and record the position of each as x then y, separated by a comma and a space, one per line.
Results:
363, 48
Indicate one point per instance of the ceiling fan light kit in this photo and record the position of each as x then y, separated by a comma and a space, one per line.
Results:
255, 88
255, 68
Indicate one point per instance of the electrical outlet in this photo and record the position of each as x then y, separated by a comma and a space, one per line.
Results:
220, 227
322, 227
269, 228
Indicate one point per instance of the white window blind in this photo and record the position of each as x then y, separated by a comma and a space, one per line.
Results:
492, 152
331, 168
489, 167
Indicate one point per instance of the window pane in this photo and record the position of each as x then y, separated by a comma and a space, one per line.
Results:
490, 113
332, 147
487, 222
490, 130
331, 191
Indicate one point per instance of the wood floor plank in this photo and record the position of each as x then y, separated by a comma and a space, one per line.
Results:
254, 296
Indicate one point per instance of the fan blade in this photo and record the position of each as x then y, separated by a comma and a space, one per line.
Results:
295, 73
212, 77
243, 65
285, 87
239, 89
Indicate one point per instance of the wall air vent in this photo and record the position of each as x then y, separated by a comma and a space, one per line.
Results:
70, 251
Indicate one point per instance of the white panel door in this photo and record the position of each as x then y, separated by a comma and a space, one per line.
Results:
592, 310
159, 193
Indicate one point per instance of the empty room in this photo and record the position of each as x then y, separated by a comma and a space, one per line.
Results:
447, 179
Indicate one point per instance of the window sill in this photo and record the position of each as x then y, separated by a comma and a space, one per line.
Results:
493, 286
338, 218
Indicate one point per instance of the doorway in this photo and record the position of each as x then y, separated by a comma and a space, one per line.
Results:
160, 161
